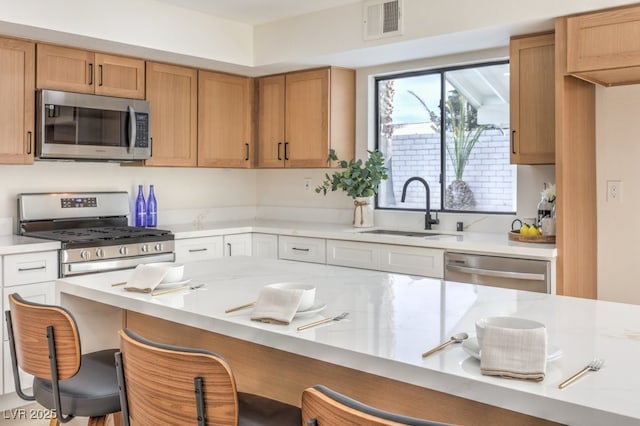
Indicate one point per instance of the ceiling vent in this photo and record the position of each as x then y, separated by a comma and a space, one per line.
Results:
382, 18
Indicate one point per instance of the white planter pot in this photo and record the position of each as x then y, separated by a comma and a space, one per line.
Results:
362, 212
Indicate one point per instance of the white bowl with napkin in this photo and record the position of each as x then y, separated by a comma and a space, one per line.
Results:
512, 347
147, 277
278, 303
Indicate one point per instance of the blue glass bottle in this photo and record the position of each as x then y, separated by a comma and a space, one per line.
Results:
141, 208
152, 209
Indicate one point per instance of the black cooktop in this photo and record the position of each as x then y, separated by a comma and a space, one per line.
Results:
101, 236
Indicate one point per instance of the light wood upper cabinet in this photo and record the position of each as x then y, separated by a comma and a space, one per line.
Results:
17, 86
76, 70
604, 47
224, 120
532, 99
304, 114
173, 94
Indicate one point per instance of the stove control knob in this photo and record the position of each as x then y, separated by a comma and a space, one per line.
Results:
158, 247
124, 251
144, 248
99, 253
85, 255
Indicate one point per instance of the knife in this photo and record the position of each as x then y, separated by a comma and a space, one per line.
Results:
323, 321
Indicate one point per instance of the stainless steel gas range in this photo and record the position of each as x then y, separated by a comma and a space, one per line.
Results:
93, 230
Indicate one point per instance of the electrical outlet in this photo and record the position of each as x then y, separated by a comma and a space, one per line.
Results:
614, 191
307, 184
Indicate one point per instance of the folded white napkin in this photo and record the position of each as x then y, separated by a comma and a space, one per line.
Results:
276, 305
146, 278
514, 353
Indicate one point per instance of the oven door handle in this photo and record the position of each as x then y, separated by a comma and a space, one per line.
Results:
496, 273
111, 265
132, 128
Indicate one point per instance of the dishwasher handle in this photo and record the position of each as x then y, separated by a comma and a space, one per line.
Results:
496, 273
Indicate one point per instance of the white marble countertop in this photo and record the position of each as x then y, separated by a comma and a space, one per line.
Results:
394, 318
474, 242
15, 244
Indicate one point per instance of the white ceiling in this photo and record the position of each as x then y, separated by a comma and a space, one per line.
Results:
256, 12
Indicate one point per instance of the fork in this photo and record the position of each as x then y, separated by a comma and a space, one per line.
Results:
324, 321
594, 365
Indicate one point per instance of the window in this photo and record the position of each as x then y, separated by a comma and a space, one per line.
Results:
462, 153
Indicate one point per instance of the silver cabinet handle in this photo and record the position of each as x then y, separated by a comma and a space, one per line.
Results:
229, 246
498, 274
197, 250
299, 249
37, 268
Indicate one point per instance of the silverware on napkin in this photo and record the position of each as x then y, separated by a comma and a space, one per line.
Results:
171, 290
594, 365
323, 321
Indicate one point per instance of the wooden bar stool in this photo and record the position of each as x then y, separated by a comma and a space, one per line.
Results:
322, 406
171, 385
44, 342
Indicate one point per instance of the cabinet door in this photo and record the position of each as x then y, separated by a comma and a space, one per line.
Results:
271, 137
40, 293
604, 47
421, 261
237, 245
224, 120
17, 85
302, 248
264, 246
307, 118
194, 249
119, 76
532, 100
173, 94
64, 68
353, 254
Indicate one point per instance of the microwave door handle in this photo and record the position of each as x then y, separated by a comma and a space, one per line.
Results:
132, 128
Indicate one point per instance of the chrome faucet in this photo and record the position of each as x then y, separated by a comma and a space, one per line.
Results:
427, 217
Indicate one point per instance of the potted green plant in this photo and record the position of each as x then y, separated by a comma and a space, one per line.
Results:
360, 180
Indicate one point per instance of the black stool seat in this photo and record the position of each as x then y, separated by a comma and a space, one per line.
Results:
93, 391
255, 410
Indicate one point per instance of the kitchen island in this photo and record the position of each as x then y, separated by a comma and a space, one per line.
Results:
375, 353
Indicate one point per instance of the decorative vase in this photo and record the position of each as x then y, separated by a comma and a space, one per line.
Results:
362, 212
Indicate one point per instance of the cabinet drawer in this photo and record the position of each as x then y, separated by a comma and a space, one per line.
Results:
30, 268
353, 254
194, 249
302, 248
421, 261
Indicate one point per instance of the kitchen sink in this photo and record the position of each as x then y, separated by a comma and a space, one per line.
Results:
402, 233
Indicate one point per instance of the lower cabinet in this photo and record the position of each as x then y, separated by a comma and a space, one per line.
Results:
203, 248
264, 245
32, 276
303, 249
421, 261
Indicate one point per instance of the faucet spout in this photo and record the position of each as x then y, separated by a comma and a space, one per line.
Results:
428, 221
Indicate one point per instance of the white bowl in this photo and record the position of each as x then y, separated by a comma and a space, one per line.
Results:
504, 322
175, 271
308, 295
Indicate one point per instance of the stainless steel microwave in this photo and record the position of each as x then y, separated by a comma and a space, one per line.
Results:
75, 126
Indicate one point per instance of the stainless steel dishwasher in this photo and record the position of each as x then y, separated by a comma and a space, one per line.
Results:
496, 271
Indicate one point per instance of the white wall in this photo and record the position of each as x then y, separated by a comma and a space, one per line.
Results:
618, 158
191, 189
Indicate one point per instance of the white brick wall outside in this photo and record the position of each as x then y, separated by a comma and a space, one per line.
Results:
488, 172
